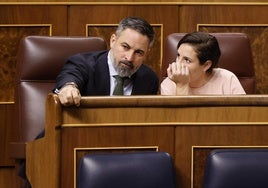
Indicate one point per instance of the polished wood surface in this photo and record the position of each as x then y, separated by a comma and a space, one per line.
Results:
17, 22
8, 175
172, 124
131, 1
7, 133
74, 18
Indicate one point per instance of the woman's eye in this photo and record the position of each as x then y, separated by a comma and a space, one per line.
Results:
187, 60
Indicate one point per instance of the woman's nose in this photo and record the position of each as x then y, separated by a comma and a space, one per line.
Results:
179, 60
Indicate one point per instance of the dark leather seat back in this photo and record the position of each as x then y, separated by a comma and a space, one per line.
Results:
235, 168
40, 59
236, 56
131, 170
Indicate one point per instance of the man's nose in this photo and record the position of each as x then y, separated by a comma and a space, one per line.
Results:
129, 55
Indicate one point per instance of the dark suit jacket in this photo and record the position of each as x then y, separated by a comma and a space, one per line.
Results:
91, 73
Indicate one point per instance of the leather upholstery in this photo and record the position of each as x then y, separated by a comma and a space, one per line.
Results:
235, 168
39, 61
126, 170
236, 56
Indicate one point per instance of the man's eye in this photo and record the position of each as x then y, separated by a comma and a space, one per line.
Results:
125, 46
140, 53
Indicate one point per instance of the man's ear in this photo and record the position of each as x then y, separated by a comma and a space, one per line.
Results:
112, 40
207, 65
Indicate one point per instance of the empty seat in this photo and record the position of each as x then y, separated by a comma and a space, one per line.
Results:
236, 168
126, 170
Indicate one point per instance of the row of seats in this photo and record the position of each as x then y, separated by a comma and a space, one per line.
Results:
40, 59
224, 168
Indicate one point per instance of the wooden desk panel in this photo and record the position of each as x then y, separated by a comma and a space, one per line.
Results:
172, 124
90, 138
191, 139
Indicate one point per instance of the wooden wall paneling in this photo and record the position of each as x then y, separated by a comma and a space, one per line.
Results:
155, 55
250, 19
10, 36
198, 161
73, 19
225, 127
102, 20
6, 132
173, 124
258, 36
130, 1
191, 15
79, 16
211, 135
18, 21
132, 137
8, 177
56, 15
8, 173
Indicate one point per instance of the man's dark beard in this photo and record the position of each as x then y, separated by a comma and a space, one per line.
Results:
125, 71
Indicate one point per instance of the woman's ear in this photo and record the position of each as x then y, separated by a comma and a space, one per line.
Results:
207, 65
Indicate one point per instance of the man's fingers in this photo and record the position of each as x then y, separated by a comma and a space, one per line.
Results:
76, 97
69, 95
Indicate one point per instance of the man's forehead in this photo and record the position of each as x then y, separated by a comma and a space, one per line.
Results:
134, 39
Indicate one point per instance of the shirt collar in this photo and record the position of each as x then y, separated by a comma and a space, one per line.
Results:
110, 64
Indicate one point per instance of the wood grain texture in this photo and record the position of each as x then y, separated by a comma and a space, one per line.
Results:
6, 133
258, 37
76, 20
212, 135
10, 36
83, 19
133, 1
173, 124
8, 177
17, 22
72, 18
154, 58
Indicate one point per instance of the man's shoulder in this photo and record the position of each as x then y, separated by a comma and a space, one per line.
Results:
146, 72
147, 69
85, 55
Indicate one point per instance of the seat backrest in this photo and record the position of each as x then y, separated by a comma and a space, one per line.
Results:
131, 170
235, 168
39, 61
236, 56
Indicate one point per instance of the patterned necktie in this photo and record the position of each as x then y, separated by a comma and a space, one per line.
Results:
119, 88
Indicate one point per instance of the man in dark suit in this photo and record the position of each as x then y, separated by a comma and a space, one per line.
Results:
95, 73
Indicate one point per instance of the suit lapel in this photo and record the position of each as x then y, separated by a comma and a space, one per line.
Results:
102, 76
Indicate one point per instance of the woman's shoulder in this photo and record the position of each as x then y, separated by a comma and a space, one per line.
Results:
223, 72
